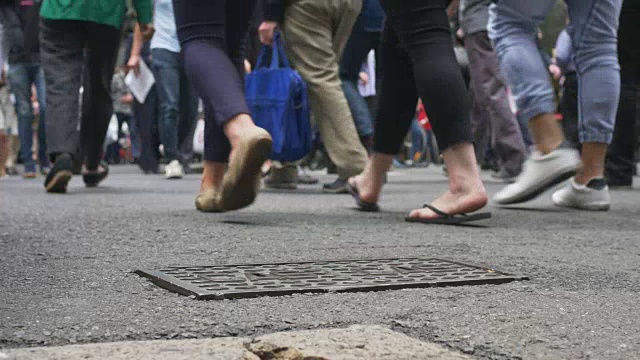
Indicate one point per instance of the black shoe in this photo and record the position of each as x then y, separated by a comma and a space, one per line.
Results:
77, 167
60, 175
332, 169
12, 171
92, 180
617, 183
337, 187
186, 167
504, 176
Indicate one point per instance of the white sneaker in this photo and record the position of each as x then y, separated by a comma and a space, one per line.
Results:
584, 197
540, 173
173, 170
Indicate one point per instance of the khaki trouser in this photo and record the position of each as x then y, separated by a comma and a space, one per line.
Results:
315, 33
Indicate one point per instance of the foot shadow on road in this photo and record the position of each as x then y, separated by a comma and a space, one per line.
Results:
307, 190
531, 209
243, 222
402, 215
109, 190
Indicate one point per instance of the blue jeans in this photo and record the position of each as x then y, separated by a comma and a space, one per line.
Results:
21, 77
417, 135
355, 53
359, 108
593, 28
178, 105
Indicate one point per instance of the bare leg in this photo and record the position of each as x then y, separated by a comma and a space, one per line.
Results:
547, 132
4, 151
371, 181
212, 175
593, 157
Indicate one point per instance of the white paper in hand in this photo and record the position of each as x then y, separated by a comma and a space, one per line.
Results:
140, 85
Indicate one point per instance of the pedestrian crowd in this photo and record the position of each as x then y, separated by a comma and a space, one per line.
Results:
467, 82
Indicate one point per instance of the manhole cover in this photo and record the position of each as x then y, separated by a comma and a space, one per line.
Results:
244, 281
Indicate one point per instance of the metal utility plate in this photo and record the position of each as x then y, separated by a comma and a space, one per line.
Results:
219, 282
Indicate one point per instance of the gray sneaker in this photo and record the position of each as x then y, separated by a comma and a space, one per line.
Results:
540, 173
594, 196
283, 178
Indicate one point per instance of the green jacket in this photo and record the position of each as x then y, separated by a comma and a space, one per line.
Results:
108, 12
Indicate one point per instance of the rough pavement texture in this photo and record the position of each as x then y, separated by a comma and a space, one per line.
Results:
66, 263
356, 342
210, 349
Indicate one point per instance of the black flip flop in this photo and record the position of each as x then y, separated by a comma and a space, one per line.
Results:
92, 180
362, 205
446, 219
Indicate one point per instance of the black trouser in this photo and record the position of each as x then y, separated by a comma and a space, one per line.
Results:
213, 37
620, 162
418, 59
67, 47
147, 125
355, 53
568, 107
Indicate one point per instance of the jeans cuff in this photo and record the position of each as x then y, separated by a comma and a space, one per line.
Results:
595, 137
542, 108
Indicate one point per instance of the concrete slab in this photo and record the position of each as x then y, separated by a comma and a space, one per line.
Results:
355, 342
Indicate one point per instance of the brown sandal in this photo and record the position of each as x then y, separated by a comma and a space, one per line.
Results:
209, 201
242, 180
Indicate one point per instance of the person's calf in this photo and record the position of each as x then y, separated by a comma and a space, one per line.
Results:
463, 170
547, 132
4, 151
593, 158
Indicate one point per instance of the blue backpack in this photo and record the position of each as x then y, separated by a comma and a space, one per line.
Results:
277, 98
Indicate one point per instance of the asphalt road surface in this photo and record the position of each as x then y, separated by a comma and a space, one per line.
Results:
66, 265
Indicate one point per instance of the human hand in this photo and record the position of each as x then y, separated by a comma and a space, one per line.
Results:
134, 64
266, 30
364, 78
555, 72
126, 99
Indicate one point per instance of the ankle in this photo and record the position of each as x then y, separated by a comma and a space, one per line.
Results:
548, 147
235, 127
582, 179
207, 183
